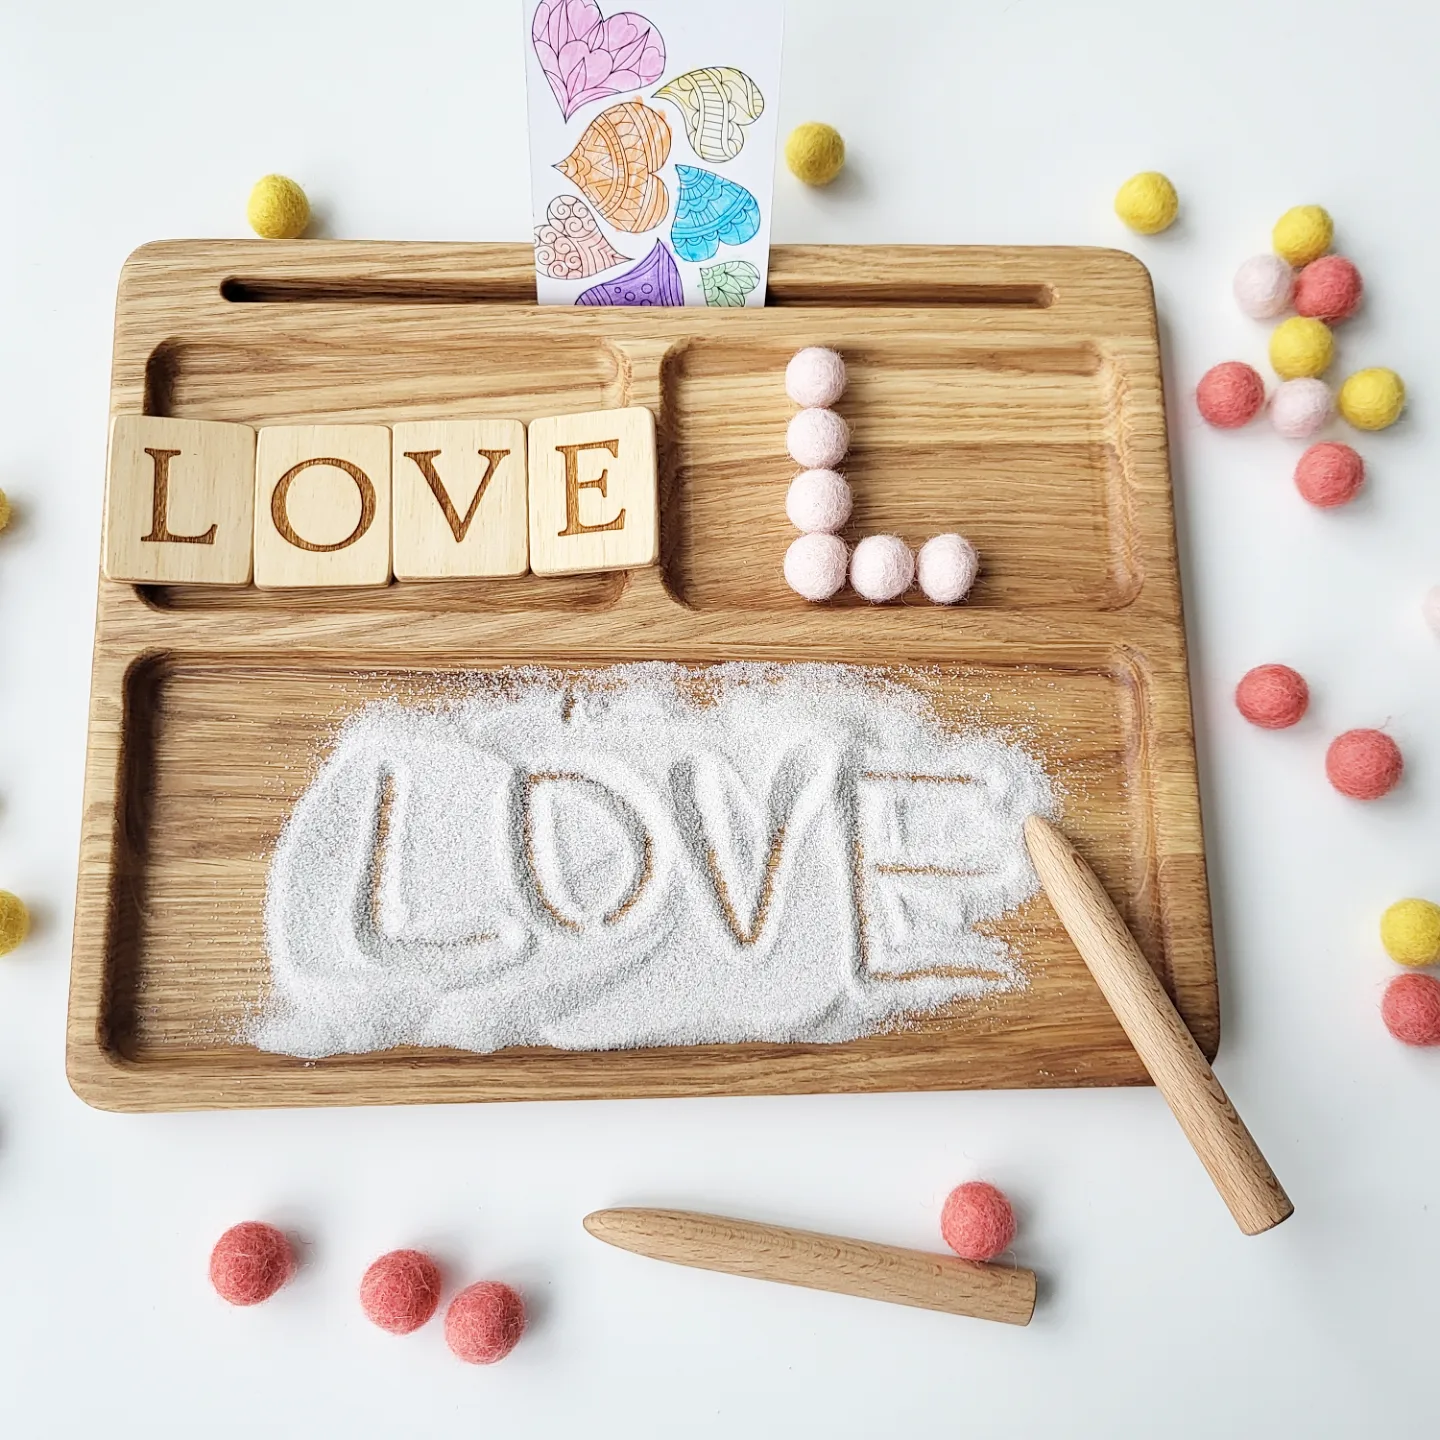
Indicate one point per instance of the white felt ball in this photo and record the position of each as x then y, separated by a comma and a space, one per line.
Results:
1264, 285
946, 568
818, 500
815, 376
815, 566
1301, 407
882, 567
817, 439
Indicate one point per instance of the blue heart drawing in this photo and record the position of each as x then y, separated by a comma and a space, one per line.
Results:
709, 211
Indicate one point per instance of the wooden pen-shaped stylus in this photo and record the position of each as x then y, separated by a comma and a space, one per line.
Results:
822, 1262
1241, 1174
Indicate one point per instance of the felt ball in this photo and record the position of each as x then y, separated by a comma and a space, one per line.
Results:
1303, 234
484, 1322
1230, 395
818, 500
815, 376
1272, 696
1147, 203
815, 153
278, 209
1299, 408
1300, 346
946, 568
1263, 287
14, 921
1329, 474
1329, 289
4, 510
1411, 1009
1410, 932
882, 568
1372, 399
1430, 608
401, 1291
815, 565
1364, 764
977, 1221
817, 438
250, 1262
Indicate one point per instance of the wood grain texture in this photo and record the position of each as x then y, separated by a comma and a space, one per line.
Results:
179, 501
211, 708
593, 499
822, 1262
322, 505
459, 499
1225, 1147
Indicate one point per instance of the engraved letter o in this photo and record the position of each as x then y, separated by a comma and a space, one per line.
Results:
281, 515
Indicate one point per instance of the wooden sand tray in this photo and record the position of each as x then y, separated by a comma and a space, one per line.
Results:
1011, 394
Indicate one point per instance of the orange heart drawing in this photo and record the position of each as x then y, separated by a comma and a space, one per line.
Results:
615, 166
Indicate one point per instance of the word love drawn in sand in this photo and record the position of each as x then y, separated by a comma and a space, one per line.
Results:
649, 855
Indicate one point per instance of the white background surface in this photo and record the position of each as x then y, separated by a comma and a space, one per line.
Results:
1010, 122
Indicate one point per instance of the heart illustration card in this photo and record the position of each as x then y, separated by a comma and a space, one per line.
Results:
652, 149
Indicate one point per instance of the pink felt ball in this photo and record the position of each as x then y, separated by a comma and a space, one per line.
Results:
977, 1221
1328, 289
815, 565
1299, 408
1411, 1009
817, 439
1263, 287
818, 500
484, 1323
1329, 474
1272, 696
1430, 608
401, 1290
882, 568
1364, 764
815, 376
946, 568
1230, 394
250, 1262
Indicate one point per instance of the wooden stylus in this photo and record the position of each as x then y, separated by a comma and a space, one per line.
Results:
822, 1262
1241, 1174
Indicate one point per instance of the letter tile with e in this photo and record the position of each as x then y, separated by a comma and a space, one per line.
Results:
593, 496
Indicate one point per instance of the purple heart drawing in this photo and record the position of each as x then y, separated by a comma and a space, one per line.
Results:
585, 57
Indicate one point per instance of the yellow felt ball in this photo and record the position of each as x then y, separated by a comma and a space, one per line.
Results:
1372, 399
1303, 234
1147, 202
14, 921
815, 153
278, 209
4, 509
1301, 347
1410, 932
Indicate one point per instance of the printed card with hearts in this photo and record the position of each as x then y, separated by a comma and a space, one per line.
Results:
652, 149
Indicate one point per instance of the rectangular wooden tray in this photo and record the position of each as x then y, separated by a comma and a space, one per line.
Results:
1012, 394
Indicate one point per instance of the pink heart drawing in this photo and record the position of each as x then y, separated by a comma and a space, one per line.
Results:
585, 57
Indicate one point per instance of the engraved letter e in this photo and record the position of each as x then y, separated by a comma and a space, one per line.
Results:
574, 485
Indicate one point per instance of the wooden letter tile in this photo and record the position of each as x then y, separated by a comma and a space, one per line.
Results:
322, 505
593, 503
459, 504
179, 501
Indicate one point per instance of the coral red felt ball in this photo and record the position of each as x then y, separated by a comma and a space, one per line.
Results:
1411, 1009
1272, 696
1329, 474
977, 1221
250, 1262
484, 1322
1364, 764
1230, 395
1328, 289
400, 1291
